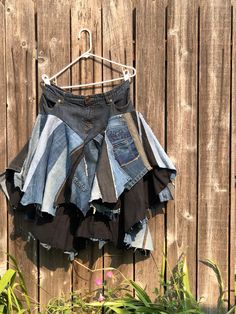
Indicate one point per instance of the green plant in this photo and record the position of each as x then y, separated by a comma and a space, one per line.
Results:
12, 284
177, 296
121, 295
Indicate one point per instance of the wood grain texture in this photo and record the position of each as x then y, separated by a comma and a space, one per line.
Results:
117, 46
181, 128
53, 33
150, 101
21, 112
86, 14
3, 143
214, 138
232, 260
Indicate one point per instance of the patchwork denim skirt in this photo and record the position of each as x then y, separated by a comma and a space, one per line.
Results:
91, 170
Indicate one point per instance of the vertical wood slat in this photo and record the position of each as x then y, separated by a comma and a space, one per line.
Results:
117, 46
3, 139
214, 97
20, 76
232, 261
53, 25
150, 101
86, 14
181, 90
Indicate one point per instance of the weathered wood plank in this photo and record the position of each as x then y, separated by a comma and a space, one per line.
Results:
21, 112
117, 46
150, 101
3, 139
53, 25
232, 260
181, 91
214, 155
86, 14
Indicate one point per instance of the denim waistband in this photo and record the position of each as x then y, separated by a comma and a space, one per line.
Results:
54, 92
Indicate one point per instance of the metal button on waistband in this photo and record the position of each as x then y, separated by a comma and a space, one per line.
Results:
60, 100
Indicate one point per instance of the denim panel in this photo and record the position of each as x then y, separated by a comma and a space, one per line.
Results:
51, 124
120, 177
141, 238
80, 189
167, 193
84, 176
52, 168
135, 136
136, 170
86, 115
110, 212
54, 180
95, 190
124, 150
118, 134
123, 145
161, 157
101, 243
35, 181
3, 184
19, 177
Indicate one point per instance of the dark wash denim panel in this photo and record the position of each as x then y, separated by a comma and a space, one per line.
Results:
86, 115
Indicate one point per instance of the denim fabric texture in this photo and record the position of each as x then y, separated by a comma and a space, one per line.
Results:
91, 170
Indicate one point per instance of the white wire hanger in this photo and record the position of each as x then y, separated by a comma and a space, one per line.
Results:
126, 74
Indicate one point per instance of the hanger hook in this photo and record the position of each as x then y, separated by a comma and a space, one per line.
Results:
90, 38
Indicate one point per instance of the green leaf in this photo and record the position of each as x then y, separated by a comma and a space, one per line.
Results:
233, 309
220, 304
119, 311
2, 308
141, 293
195, 311
186, 277
9, 300
22, 281
7, 279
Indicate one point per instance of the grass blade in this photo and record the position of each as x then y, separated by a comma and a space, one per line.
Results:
141, 293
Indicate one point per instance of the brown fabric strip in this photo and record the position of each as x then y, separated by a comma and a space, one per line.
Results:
104, 176
134, 133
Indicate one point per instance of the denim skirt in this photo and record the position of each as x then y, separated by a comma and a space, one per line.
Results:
91, 170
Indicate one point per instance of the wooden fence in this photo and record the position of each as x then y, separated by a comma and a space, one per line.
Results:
185, 55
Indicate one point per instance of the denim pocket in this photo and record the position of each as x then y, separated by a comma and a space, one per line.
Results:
123, 145
48, 103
